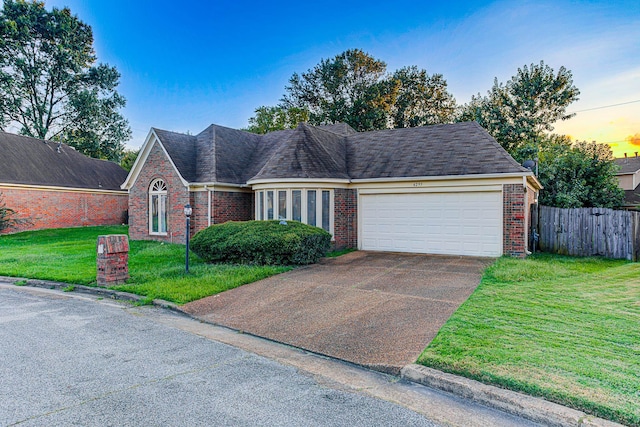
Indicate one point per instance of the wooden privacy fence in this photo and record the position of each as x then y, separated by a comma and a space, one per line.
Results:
589, 232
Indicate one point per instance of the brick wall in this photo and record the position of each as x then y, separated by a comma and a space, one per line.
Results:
57, 209
158, 166
226, 206
515, 220
199, 221
231, 206
345, 224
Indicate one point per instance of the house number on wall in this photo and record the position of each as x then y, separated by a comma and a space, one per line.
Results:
417, 184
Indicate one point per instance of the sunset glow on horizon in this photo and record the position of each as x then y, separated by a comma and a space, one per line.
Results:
617, 126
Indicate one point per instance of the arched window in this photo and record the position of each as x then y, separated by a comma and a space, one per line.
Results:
158, 207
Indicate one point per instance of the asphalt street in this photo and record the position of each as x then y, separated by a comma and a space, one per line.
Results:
69, 359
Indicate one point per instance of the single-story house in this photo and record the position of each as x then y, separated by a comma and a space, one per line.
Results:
442, 189
629, 179
51, 185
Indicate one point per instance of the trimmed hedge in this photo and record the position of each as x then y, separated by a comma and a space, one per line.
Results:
262, 243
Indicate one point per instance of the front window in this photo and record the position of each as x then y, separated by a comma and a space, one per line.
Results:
158, 207
270, 205
297, 205
325, 209
310, 206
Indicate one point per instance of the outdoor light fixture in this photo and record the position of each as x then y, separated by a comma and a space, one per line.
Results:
187, 212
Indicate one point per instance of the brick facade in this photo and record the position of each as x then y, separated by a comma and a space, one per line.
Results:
345, 222
199, 220
515, 217
225, 206
46, 208
232, 206
158, 166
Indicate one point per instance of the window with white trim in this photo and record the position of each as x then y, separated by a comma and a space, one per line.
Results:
313, 206
158, 207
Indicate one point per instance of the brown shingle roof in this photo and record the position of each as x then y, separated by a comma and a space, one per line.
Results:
31, 161
220, 154
307, 152
438, 150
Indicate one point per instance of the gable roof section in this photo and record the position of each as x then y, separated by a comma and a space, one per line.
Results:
30, 161
181, 149
233, 152
307, 152
628, 165
437, 150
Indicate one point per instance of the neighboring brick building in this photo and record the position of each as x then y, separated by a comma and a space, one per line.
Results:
444, 189
50, 185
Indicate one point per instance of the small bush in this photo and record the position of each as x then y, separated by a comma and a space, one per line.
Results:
7, 215
262, 243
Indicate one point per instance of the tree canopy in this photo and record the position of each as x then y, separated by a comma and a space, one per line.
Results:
523, 109
268, 119
50, 85
574, 175
580, 175
347, 88
354, 87
421, 99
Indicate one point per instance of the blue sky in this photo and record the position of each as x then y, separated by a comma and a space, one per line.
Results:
186, 65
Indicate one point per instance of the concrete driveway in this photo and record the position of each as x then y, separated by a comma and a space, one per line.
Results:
374, 309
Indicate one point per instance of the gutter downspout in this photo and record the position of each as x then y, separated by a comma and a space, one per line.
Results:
208, 206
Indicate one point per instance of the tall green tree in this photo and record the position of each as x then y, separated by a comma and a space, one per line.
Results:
421, 99
524, 108
574, 175
353, 87
50, 85
269, 119
347, 88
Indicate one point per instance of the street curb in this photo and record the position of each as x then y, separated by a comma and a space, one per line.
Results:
103, 292
525, 406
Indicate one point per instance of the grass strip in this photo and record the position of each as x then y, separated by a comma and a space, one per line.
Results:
157, 270
562, 328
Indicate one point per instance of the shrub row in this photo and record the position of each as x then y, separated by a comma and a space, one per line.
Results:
262, 243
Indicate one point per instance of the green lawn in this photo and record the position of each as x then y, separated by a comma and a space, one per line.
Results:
566, 329
156, 269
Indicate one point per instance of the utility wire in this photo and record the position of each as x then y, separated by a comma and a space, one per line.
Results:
606, 106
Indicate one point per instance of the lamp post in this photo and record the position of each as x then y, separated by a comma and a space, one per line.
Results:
187, 212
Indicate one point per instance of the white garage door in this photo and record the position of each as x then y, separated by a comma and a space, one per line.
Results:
433, 223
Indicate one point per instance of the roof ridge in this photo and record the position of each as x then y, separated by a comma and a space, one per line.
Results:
311, 128
214, 156
493, 141
282, 145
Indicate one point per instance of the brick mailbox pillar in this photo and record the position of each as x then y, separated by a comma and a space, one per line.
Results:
113, 259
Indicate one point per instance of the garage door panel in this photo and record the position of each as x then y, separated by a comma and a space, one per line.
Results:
465, 223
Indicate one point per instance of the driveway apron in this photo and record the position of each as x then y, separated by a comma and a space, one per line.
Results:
379, 310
